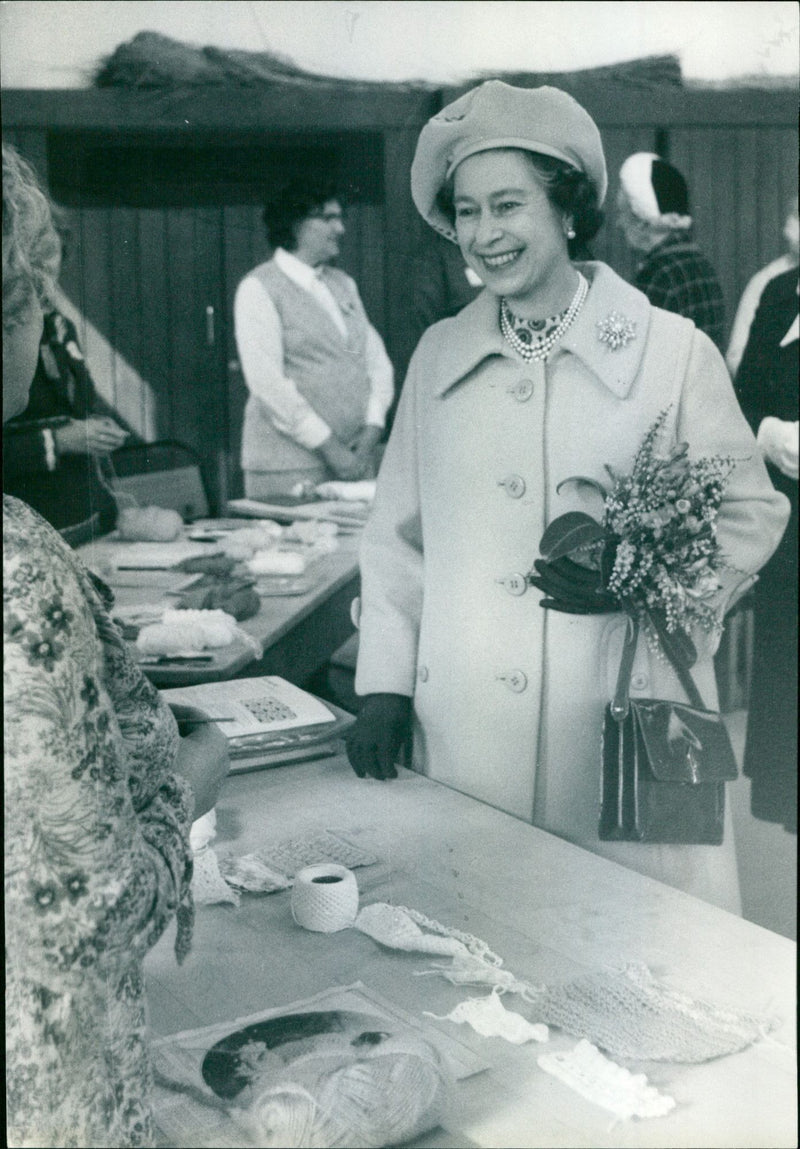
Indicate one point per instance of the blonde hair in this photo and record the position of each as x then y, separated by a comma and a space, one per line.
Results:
31, 247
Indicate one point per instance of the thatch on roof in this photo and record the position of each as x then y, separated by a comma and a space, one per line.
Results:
151, 60
649, 71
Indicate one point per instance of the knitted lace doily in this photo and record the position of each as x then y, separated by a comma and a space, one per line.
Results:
634, 1016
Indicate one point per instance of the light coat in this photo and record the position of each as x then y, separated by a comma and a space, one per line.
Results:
508, 697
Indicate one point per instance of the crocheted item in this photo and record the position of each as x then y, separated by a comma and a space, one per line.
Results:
250, 873
208, 884
466, 969
294, 854
634, 1016
626, 1012
489, 1017
605, 1083
398, 928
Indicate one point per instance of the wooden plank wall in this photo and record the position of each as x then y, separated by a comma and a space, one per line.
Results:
143, 277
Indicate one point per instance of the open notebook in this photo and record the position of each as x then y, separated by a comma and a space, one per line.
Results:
268, 721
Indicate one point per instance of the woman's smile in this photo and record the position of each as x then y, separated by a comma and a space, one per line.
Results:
510, 233
498, 262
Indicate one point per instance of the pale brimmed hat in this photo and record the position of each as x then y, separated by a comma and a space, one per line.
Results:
497, 115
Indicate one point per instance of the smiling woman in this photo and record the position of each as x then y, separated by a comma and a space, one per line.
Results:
557, 369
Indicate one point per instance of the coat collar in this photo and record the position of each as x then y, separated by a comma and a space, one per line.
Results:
475, 335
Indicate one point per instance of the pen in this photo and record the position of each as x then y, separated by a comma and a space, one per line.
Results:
176, 659
202, 721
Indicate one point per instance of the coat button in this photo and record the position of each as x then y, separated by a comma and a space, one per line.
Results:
515, 680
422, 674
639, 681
514, 486
522, 390
514, 583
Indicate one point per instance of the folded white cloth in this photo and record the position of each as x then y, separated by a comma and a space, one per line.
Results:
273, 562
360, 492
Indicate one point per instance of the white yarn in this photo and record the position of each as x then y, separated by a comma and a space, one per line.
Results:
188, 631
388, 1095
149, 524
325, 898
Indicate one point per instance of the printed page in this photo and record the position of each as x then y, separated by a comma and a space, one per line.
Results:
264, 705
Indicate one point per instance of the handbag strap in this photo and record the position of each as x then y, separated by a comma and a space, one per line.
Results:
620, 704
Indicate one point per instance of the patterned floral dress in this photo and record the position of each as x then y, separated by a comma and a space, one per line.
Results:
96, 850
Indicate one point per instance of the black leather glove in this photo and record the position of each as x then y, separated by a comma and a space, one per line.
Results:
382, 730
571, 588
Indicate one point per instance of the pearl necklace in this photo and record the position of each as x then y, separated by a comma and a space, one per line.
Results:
543, 349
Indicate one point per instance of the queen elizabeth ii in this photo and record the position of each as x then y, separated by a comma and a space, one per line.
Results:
556, 369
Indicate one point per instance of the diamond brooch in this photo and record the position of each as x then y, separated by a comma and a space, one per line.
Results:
616, 331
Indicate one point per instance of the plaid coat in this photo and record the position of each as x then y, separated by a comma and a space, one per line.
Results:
678, 277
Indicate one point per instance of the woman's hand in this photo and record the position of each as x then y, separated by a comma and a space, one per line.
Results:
364, 449
203, 758
778, 440
382, 730
344, 463
93, 436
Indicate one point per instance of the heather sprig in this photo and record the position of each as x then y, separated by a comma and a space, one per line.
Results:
655, 550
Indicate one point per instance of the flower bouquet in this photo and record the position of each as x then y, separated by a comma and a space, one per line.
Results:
654, 556
655, 553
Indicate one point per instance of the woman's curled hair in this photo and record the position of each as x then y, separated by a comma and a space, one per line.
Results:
297, 201
31, 247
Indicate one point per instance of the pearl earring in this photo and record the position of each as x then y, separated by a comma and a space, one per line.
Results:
570, 232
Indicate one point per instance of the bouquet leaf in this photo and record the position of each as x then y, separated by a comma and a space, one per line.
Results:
568, 533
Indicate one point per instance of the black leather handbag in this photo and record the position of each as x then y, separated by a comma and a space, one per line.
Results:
664, 765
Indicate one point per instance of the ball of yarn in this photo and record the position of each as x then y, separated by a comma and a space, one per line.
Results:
187, 630
149, 524
325, 898
386, 1095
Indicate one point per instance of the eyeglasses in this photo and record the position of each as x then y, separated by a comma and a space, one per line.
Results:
327, 216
